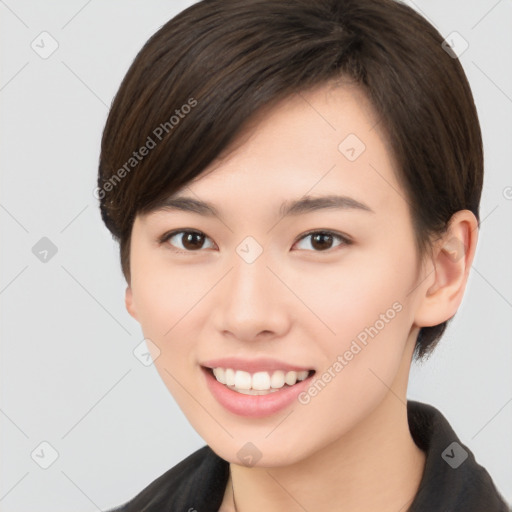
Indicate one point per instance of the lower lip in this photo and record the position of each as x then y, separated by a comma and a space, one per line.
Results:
254, 406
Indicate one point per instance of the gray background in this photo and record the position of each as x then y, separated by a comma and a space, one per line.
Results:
69, 375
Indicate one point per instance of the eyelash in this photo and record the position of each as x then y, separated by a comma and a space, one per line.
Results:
343, 238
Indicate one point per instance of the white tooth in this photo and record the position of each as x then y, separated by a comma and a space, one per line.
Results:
291, 378
261, 381
230, 377
220, 375
277, 379
255, 391
242, 380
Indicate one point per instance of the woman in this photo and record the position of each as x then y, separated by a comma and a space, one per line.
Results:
295, 188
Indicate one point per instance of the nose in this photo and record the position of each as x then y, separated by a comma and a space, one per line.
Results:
252, 303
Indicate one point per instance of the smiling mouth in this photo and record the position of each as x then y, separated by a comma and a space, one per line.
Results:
258, 383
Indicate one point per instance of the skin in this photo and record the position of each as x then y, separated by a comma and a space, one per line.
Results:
350, 446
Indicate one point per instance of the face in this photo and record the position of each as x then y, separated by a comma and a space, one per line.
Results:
323, 292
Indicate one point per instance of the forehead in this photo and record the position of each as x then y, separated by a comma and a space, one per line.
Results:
320, 142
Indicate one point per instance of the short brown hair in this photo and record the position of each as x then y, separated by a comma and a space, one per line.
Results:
225, 60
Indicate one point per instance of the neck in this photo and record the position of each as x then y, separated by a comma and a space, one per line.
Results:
376, 466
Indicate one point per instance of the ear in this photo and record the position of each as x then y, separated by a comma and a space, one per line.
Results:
452, 256
128, 300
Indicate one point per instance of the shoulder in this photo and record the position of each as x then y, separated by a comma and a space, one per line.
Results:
196, 483
452, 478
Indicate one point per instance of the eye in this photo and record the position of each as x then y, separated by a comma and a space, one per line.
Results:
322, 241
186, 241
190, 240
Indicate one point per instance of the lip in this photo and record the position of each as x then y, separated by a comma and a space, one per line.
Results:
253, 365
253, 406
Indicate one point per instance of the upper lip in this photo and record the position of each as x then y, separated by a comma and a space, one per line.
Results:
254, 365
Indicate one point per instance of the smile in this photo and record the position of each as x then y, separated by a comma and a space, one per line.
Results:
258, 383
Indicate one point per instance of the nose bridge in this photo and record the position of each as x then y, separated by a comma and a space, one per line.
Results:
249, 301
249, 284
250, 274
250, 281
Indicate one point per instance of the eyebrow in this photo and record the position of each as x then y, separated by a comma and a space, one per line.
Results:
300, 206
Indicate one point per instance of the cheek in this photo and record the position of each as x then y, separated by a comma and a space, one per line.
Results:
365, 289
163, 294
172, 307
369, 314
166, 301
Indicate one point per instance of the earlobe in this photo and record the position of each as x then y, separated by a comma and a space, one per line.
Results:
452, 257
128, 300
